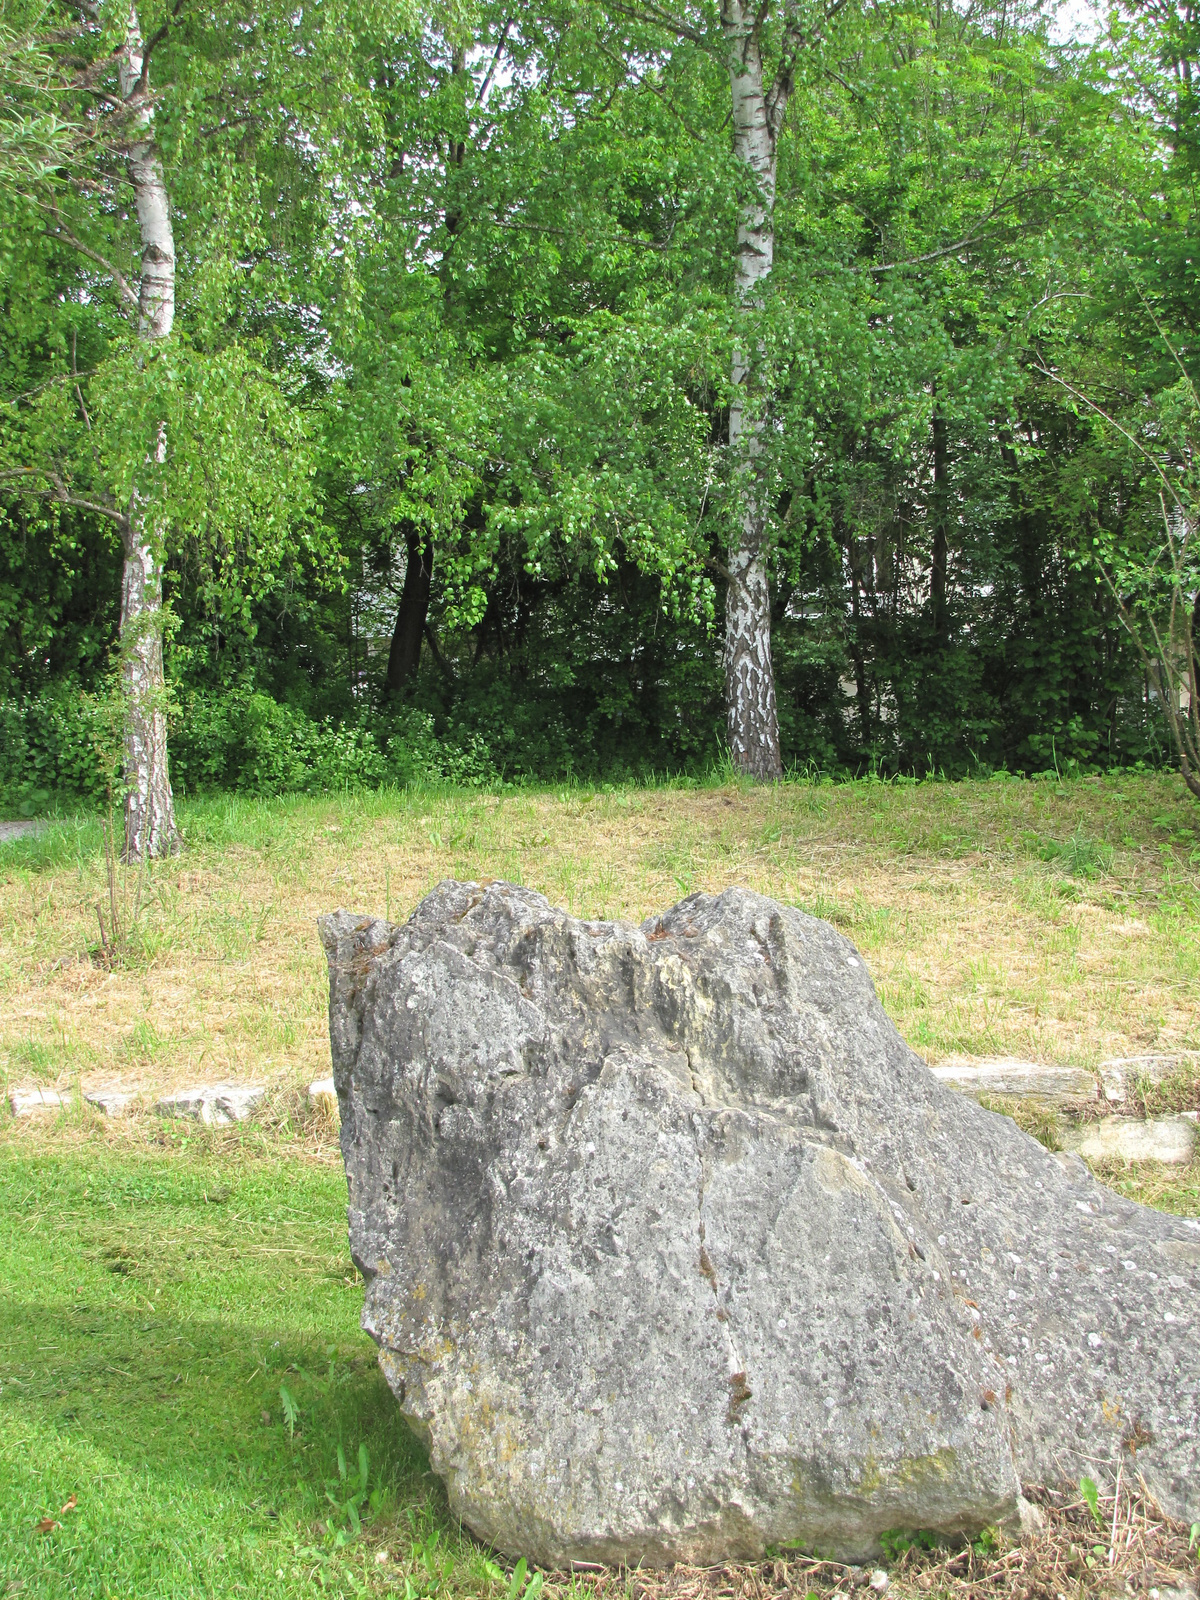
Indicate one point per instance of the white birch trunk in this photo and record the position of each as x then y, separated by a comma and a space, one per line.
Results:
752, 720
149, 805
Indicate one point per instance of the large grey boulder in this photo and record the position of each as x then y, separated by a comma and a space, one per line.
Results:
675, 1250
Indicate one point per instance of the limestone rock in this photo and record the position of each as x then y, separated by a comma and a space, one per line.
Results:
1033, 1080
112, 1102
1166, 1139
20, 830
214, 1103
1119, 1077
31, 1102
675, 1250
1186, 1590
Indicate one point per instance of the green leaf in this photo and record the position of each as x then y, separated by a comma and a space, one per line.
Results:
291, 1411
1091, 1494
516, 1583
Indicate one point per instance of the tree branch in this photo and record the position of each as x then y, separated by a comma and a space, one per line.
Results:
647, 83
68, 237
795, 40
657, 17
1041, 367
723, 571
437, 654
61, 495
152, 43
491, 71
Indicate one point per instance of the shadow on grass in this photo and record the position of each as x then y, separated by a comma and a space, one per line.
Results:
202, 1397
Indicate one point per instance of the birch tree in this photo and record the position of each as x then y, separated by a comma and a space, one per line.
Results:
185, 440
149, 806
762, 44
759, 106
128, 120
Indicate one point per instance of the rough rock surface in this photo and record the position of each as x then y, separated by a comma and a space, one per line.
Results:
213, 1103
674, 1249
1165, 1139
20, 830
322, 1096
112, 1102
1032, 1080
1120, 1078
29, 1102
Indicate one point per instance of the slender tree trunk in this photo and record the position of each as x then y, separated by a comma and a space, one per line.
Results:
861, 687
752, 719
412, 614
941, 531
149, 805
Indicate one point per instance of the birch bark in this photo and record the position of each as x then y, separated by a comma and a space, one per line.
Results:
752, 718
149, 805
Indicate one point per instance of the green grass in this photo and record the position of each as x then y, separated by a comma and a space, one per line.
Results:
159, 1286
155, 1302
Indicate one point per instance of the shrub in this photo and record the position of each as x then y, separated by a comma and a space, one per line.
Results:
245, 741
57, 744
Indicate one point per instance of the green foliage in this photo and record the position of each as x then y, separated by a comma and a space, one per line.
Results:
522, 1585
291, 1412
350, 1494
898, 1541
1091, 1496
56, 745
489, 311
245, 741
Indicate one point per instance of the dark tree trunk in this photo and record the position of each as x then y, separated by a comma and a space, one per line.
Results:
941, 530
861, 687
411, 617
1028, 540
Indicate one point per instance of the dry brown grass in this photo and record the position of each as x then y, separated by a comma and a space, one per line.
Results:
977, 944
1134, 1552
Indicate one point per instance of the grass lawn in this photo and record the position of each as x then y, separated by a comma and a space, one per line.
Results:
154, 1302
161, 1284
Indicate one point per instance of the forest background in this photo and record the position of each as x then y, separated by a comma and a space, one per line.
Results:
470, 401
